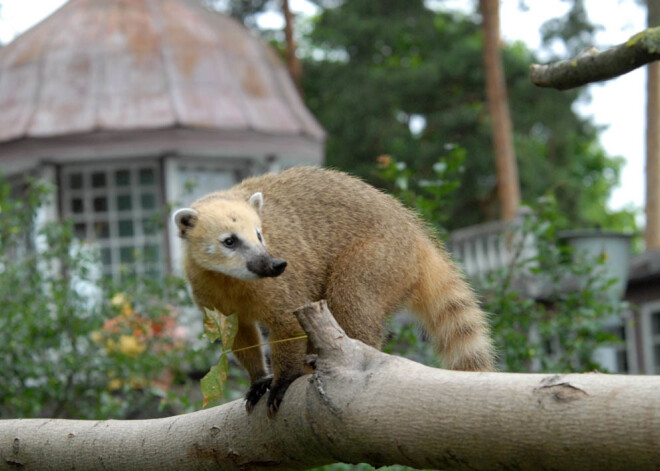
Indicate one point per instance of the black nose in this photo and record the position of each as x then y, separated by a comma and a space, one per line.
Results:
278, 266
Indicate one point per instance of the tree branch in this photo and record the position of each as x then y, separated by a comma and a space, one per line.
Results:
362, 405
592, 65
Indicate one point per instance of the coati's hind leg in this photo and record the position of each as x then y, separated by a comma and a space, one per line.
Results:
369, 281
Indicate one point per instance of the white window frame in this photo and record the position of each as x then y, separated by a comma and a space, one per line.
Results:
649, 341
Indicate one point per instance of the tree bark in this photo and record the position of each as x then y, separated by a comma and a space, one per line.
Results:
505, 158
652, 207
362, 405
293, 63
592, 65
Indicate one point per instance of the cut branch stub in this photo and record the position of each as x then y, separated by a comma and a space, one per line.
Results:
321, 327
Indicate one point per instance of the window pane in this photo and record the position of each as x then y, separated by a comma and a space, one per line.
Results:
124, 203
106, 256
98, 180
147, 176
148, 201
102, 229
149, 226
80, 230
77, 205
152, 272
656, 358
126, 254
100, 204
622, 361
620, 332
122, 178
126, 228
655, 323
75, 181
151, 253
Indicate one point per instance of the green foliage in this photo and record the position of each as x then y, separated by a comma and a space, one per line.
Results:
223, 328
431, 193
560, 329
372, 68
76, 345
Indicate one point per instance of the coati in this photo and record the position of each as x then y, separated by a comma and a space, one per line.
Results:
273, 243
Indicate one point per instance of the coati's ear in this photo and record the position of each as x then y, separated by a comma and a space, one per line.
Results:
185, 219
257, 201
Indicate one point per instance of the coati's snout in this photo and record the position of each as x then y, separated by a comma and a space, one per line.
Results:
266, 266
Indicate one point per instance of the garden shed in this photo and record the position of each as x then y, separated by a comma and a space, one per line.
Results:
127, 106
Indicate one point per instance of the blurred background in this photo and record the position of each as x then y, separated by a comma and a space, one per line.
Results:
112, 112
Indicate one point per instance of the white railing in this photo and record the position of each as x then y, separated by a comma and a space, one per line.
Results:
490, 246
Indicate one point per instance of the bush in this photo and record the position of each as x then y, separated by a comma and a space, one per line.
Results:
75, 344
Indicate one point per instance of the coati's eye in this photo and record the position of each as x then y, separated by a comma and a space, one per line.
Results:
259, 236
229, 242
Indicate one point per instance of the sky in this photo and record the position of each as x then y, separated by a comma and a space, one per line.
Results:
618, 105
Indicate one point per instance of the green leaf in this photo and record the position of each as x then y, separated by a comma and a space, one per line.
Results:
218, 326
213, 383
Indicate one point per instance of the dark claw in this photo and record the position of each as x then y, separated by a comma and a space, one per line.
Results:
257, 389
276, 395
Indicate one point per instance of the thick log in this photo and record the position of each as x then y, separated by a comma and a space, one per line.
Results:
362, 405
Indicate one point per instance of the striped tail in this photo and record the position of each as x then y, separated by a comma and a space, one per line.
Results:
449, 311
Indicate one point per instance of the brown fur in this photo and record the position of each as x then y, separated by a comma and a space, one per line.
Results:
346, 242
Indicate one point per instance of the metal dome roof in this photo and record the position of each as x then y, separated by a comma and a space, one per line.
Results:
111, 65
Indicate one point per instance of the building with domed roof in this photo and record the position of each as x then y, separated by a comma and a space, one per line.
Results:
130, 105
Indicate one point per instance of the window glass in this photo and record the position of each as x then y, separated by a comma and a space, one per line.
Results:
76, 181
122, 178
126, 228
147, 176
77, 205
149, 226
148, 200
102, 229
100, 204
126, 254
98, 180
655, 322
80, 230
151, 253
106, 256
124, 203
200, 180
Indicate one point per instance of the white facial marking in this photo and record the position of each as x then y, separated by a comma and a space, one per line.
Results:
241, 273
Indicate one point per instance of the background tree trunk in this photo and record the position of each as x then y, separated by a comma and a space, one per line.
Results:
652, 231
507, 168
362, 405
293, 63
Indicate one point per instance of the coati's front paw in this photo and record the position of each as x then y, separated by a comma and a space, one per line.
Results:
257, 389
276, 395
